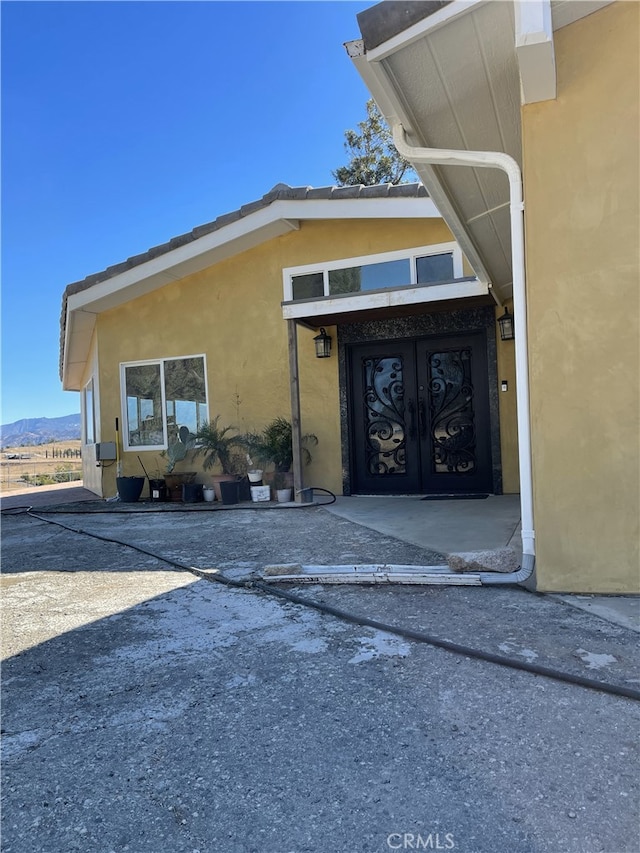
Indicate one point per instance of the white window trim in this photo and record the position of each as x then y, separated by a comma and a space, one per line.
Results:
123, 399
399, 255
86, 414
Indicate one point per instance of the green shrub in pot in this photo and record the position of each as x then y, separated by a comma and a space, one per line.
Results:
274, 446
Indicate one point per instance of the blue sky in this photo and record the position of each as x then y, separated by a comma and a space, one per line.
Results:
126, 123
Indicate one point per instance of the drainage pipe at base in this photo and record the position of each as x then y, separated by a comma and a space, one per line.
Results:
500, 160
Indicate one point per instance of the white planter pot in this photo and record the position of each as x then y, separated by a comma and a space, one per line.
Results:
209, 494
255, 476
260, 493
283, 495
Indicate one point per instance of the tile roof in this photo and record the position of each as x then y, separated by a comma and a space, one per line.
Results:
281, 192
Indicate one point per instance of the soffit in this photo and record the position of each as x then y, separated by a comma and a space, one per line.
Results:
459, 87
452, 79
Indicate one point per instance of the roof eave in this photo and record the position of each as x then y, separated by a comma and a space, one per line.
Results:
376, 80
84, 300
405, 95
374, 66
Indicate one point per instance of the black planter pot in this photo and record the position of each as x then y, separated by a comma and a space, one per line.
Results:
129, 488
229, 492
244, 489
192, 493
157, 490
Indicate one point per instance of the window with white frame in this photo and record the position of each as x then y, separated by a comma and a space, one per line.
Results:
159, 397
422, 266
89, 413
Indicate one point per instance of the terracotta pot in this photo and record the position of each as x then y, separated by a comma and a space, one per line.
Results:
175, 481
179, 478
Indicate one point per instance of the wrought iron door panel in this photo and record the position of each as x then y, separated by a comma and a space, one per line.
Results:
385, 445
457, 449
453, 434
384, 437
420, 417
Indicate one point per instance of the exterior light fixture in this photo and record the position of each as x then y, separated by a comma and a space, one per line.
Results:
507, 329
323, 344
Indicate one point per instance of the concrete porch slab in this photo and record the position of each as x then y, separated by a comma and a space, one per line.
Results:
444, 526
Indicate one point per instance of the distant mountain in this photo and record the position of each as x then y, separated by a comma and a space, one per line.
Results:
40, 431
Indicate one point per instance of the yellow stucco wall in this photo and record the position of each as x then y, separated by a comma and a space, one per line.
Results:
508, 410
581, 198
232, 313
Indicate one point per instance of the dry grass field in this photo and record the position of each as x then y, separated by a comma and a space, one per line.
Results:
39, 462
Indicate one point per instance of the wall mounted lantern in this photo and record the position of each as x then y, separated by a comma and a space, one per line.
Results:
507, 330
323, 344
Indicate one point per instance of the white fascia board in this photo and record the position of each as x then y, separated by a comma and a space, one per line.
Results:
72, 381
156, 273
175, 264
421, 28
535, 51
69, 381
370, 208
78, 334
389, 103
383, 299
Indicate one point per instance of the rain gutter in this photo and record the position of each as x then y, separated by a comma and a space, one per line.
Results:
390, 104
500, 160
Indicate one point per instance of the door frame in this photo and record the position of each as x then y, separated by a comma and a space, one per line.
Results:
458, 322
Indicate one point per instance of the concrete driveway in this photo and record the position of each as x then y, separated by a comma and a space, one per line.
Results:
148, 710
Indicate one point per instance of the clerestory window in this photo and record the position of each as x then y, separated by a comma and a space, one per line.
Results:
423, 266
159, 397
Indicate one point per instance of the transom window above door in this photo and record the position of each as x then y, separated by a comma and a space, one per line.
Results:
423, 266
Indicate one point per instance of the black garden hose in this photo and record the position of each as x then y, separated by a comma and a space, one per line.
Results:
406, 633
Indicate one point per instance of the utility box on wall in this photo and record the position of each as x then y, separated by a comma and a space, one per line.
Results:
105, 451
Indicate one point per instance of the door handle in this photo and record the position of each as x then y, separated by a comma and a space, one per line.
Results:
411, 407
422, 414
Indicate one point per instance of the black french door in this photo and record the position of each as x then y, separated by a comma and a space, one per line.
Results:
420, 416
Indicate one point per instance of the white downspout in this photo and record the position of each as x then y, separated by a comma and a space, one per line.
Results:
499, 160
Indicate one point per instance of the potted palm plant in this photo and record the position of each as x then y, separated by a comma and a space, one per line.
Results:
274, 446
220, 445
